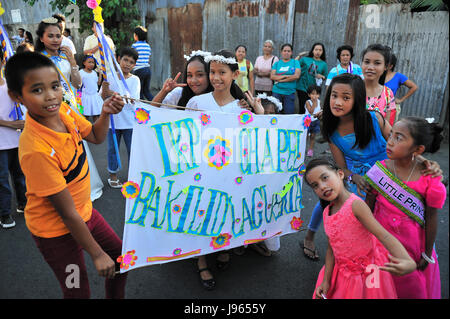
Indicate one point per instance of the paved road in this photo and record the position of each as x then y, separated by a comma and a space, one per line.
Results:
286, 275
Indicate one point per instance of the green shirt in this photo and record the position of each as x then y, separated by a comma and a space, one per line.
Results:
285, 68
310, 68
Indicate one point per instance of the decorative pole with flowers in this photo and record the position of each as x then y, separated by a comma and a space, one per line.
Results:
16, 113
102, 46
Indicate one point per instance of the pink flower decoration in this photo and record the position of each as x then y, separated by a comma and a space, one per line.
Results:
92, 4
307, 121
296, 223
220, 241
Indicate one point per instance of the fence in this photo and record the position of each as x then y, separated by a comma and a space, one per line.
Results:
176, 27
420, 40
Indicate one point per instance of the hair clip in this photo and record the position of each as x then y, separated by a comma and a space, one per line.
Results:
197, 53
272, 99
50, 20
220, 59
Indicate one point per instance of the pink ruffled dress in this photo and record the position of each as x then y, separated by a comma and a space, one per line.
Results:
357, 255
418, 284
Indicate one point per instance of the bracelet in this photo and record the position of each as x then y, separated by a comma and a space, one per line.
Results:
428, 259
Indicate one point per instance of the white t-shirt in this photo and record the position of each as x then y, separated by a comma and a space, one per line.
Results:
173, 97
68, 43
316, 110
9, 138
125, 119
206, 102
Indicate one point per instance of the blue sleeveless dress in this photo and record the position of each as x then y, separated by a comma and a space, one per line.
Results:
358, 160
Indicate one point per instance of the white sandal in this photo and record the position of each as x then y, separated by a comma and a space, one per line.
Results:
115, 184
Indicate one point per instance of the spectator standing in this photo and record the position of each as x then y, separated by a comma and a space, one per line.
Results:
91, 45
314, 70
65, 40
142, 69
344, 56
262, 69
394, 80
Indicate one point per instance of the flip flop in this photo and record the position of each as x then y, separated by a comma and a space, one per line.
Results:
114, 184
261, 249
315, 253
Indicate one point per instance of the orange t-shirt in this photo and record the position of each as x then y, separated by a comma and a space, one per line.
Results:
52, 161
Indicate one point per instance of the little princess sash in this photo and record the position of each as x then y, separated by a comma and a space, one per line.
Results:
396, 192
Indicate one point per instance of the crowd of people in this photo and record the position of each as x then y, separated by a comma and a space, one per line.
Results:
359, 118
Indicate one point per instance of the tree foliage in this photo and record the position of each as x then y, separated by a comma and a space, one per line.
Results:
121, 16
416, 5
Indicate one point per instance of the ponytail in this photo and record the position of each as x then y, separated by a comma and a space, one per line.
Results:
424, 133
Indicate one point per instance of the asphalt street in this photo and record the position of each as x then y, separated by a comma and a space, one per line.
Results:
285, 275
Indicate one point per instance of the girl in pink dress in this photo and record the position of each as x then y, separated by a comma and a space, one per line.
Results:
410, 137
357, 263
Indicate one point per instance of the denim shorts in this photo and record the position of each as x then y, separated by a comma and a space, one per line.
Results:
314, 127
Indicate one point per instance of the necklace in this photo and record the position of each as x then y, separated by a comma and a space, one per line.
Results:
410, 173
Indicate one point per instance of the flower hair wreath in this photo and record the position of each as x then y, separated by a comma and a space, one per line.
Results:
50, 20
197, 53
220, 59
272, 99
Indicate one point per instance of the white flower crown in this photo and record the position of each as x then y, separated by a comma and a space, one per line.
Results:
272, 99
197, 53
50, 20
220, 59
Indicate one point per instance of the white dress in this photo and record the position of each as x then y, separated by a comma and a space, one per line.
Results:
206, 102
90, 98
96, 181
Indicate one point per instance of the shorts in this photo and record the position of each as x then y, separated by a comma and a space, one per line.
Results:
314, 127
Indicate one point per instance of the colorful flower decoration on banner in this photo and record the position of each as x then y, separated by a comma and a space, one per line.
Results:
176, 251
141, 115
245, 117
296, 223
218, 152
205, 119
220, 241
197, 177
301, 170
127, 259
273, 121
307, 121
238, 180
201, 212
130, 189
176, 209
184, 147
260, 205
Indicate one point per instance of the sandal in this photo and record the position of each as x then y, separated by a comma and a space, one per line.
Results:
222, 265
208, 284
315, 253
115, 184
239, 250
261, 249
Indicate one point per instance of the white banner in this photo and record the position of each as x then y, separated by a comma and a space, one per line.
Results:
201, 182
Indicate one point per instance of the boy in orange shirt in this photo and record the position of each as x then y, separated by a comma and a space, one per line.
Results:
59, 211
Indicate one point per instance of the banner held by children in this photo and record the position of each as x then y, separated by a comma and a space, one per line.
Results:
201, 182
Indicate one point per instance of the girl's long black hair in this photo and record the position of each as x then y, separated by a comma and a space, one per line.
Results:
323, 57
39, 46
187, 92
363, 126
385, 51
